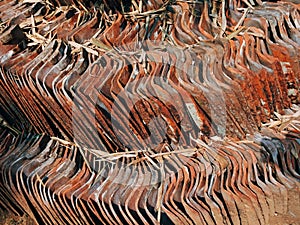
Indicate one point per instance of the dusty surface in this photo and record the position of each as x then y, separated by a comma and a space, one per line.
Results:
7, 218
286, 219
291, 218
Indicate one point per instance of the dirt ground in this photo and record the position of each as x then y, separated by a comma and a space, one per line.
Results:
291, 218
7, 218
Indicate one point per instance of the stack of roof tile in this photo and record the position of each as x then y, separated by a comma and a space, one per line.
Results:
81, 83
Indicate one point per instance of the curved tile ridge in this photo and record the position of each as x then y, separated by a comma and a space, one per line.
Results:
217, 181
